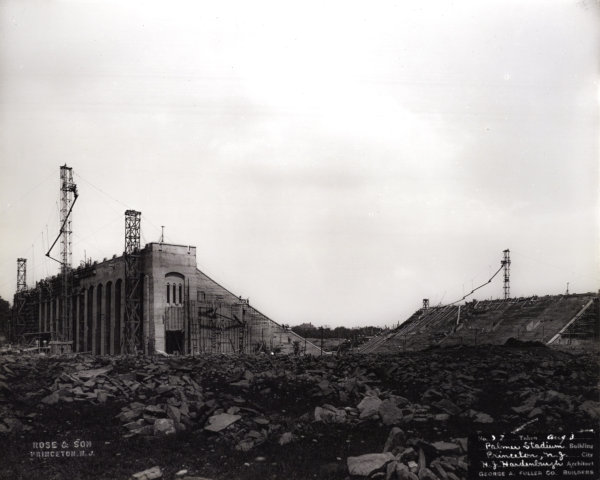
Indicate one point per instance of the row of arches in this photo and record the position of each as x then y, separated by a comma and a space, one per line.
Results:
97, 318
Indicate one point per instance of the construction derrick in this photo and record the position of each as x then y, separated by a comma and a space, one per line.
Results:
21, 275
68, 191
506, 265
19, 300
131, 341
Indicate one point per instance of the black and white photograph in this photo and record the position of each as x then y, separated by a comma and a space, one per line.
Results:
329, 240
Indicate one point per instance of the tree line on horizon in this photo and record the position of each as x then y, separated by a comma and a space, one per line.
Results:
4, 316
307, 330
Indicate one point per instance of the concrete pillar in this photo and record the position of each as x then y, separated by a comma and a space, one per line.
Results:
57, 323
145, 313
156, 317
76, 346
85, 314
81, 318
52, 316
122, 317
85, 320
40, 308
116, 337
113, 314
81, 321
103, 317
94, 318
56, 318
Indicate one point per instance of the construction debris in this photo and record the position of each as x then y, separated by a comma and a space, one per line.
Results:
216, 423
365, 465
149, 474
417, 410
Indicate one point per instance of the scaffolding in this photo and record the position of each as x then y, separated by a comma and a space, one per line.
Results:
218, 328
584, 327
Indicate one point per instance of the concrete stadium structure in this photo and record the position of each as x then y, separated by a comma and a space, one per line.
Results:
572, 320
182, 310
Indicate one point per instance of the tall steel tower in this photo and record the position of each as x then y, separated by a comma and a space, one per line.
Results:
131, 340
68, 195
506, 264
21, 275
18, 314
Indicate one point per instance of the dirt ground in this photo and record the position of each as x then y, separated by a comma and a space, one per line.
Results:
78, 404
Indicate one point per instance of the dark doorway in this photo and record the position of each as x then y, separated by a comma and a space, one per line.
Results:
174, 341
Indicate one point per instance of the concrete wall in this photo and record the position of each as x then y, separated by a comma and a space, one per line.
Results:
98, 307
164, 264
261, 330
171, 288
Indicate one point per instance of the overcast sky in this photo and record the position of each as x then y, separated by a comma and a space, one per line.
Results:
335, 162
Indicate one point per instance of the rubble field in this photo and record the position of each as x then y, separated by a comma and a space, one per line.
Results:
404, 416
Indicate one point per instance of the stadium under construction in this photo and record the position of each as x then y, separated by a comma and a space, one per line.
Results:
151, 298
154, 298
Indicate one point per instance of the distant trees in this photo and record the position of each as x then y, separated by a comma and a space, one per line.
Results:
308, 330
4, 317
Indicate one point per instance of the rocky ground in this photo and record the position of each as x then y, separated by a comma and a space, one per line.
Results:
266, 417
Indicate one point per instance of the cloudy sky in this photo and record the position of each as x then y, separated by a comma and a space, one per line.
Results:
332, 161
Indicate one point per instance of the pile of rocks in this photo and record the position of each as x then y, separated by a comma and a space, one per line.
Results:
12, 418
429, 400
155, 473
412, 459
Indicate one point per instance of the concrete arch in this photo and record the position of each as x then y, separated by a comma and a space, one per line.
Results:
178, 275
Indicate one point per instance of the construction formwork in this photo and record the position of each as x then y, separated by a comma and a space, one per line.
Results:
583, 329
217, 328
